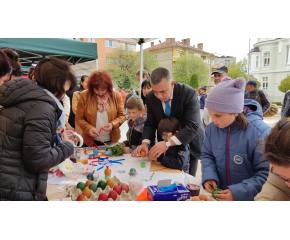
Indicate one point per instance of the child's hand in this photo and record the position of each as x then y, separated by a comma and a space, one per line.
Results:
123, 144
225, 195
210, 185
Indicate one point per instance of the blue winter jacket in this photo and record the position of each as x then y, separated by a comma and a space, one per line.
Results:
202, 100
245, 170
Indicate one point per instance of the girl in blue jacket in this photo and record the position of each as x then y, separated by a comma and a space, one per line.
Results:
232, 158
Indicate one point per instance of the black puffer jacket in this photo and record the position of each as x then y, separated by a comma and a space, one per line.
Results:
28, 122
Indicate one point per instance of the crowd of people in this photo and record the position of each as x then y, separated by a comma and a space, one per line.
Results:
171, 122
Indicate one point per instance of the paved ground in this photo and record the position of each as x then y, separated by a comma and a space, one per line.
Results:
124, 128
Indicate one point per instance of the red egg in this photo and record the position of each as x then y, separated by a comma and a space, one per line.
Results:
80, 197
118, 189
113, 194
125, 187
103, 197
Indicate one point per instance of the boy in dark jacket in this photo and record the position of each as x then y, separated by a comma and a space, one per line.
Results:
203, 96
176, 157
135, 108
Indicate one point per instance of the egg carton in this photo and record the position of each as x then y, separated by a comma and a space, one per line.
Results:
74, 192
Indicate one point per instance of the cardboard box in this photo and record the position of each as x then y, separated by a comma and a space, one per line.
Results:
180, 193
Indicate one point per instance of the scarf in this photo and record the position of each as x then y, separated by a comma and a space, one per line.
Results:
103, 102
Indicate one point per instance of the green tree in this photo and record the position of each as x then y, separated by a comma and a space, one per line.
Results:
126, 82
238, 69
150, 62
285, 84
122, 63
194, 81
187, 65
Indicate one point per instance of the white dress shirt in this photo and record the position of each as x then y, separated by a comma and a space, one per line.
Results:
174, 139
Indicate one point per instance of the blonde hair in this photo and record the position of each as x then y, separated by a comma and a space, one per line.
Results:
135, 102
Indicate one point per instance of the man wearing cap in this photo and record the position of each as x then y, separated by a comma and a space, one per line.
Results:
219, 74
258, 95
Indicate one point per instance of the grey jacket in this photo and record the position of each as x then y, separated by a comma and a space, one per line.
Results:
265, 101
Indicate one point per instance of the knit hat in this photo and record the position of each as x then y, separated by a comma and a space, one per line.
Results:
252, 82
227, 96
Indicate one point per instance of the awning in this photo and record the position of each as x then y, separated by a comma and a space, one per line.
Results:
32, 50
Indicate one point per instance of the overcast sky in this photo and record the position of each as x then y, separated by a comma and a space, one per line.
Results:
228, 46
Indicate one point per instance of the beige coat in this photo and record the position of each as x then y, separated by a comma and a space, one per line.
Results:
75, 100
275, 189
86, 114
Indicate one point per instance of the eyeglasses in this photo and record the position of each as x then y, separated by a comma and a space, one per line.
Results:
165, 136
279, 176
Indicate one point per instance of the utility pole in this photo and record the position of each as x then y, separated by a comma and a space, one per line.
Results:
162, 54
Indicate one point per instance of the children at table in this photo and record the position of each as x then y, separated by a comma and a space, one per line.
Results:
176, 157
232, 158
135, 108
277, 152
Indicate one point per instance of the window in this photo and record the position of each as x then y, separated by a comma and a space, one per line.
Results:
288, 55
127, 46
266, 59
110, 43
179, 55
265, 83
257, 61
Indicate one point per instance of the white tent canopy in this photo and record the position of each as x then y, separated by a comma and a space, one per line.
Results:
140, 41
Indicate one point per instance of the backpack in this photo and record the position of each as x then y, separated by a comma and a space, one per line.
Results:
273, 109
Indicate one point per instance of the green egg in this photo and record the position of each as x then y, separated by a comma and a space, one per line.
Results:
81, 186
93, 187
102, 185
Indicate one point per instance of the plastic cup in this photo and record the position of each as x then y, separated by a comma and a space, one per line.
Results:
192, 185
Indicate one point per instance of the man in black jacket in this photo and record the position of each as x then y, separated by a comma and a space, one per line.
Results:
285, 111
258, 95
169, 98
28, 123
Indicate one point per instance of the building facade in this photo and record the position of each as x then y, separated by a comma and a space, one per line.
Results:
224, 60
169, 51
106, 46
270, 63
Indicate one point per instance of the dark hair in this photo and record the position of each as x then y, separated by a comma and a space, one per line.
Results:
134, 102
100, 80
145, 83
203, 88
5, 66
160, 73
241, 120
144, 73
52, 74
14, 62
277, 150
31, 72
169, 124
82, 80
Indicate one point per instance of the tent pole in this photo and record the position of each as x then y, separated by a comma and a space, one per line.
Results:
141, 66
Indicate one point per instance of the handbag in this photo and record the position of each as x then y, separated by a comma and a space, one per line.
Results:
273, 109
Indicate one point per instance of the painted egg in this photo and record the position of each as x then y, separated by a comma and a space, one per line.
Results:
88, 183
125, 187
87, 192
110, 183
80, 197
93, 187
103, 197
102, 185
113, 194
118, 189
81, 186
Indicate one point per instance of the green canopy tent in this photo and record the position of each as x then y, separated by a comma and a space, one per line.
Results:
32, 50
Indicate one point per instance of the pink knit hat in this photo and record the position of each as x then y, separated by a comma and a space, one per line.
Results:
227, 96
